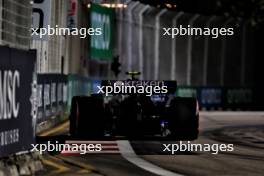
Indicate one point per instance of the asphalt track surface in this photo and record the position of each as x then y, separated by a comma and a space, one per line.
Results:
244, 130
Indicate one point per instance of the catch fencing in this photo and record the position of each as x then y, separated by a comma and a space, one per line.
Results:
15, 22
192, 60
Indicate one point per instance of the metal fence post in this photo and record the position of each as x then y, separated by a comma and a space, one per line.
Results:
206, 44
130, 35
222, 66
243, 53
141, 64
173, 47
121, 30
189, 51
157, 40
1, 11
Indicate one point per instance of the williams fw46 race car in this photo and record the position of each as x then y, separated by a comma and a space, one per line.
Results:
135, 114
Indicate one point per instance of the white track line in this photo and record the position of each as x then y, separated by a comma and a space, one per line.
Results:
128, 153
231, 113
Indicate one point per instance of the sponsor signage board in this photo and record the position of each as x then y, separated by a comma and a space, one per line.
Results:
17, 100
102, 45
52, 95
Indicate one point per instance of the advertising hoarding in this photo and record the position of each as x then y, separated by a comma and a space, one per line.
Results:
17, 100
102, 45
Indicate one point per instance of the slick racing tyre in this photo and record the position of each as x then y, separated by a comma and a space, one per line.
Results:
87, 117
183, 118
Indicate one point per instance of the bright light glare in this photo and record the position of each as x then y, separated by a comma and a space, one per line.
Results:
111, 5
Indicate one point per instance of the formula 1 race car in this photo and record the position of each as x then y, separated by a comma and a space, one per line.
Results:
135, 115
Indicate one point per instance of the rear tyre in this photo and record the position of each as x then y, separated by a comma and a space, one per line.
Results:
183, 118
87, 117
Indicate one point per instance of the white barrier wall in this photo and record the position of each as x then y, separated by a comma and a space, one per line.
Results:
51, 51
63, 54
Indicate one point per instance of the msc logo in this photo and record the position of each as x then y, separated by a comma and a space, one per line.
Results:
9, 82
